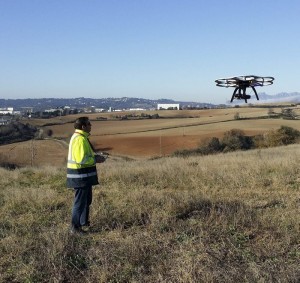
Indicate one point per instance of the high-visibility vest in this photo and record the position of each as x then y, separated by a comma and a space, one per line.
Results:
81, 167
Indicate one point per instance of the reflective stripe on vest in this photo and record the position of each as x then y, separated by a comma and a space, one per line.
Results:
81, 175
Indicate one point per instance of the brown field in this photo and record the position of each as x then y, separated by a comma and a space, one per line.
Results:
35, 153
142, 138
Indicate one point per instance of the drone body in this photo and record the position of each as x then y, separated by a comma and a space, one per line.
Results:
241, 83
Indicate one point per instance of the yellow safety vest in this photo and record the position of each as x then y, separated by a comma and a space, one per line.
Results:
81, 166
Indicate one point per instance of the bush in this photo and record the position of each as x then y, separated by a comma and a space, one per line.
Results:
16, 132
185, 152
49, 133
235, 139
288, 135
237, 116
211, 146
288, 114
283, 136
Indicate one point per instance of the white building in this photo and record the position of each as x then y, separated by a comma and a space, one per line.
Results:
166, 106
8, 110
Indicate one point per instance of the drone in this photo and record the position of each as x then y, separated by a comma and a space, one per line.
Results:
241, 83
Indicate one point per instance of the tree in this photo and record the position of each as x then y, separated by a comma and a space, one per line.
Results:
49, 133
237, 116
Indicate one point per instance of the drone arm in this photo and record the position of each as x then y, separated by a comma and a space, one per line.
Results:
255, 92
233, 95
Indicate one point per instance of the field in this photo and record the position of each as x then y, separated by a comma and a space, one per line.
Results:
229, 217
223, 218
142, 138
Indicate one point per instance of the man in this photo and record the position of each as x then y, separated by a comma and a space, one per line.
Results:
82, 173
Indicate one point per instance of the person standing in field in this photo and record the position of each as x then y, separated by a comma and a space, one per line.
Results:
82, 173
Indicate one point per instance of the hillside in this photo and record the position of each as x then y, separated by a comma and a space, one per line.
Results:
225, 218
40, 104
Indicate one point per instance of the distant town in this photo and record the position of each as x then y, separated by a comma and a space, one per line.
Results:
52, 107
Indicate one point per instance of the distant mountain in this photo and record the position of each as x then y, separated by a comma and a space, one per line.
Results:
40, 104
281, 97
292, 97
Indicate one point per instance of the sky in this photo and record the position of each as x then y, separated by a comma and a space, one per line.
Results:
151, 49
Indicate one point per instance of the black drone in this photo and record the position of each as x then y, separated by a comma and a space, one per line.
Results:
241, 83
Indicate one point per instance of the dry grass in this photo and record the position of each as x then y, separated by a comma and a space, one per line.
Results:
225, 218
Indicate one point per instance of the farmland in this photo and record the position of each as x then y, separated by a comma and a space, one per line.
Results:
228, 217
143, 138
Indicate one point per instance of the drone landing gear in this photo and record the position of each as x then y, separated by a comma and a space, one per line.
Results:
240, 93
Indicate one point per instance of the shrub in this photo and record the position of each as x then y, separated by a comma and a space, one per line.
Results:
237, 116
16, 132
235, 139
211, 146
49, 133
185, 152
288, 135
288, 114
283, 136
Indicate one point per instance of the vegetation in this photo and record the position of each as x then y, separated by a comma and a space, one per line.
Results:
288, 113
229, 217
235, 139
16, 132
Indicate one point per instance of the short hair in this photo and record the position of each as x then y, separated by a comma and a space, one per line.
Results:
81, 121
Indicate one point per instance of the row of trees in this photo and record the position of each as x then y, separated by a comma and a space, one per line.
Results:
286, 113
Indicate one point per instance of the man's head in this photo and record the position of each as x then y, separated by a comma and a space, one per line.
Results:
83, 123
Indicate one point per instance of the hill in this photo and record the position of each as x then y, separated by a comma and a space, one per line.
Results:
225, 218
40, 104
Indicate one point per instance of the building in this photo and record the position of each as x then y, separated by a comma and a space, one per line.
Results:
4, 121
27, 110
8, 110
168, 106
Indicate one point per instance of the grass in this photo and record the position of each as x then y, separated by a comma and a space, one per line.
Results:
225, 218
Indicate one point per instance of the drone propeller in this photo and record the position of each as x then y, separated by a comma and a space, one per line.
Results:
241, 83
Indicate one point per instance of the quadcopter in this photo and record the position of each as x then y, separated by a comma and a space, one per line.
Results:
241, 83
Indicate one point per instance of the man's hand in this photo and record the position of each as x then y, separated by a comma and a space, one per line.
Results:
100, 158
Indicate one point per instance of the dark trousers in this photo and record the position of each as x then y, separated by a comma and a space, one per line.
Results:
81, 206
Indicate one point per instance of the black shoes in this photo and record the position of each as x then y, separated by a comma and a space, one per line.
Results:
78, 231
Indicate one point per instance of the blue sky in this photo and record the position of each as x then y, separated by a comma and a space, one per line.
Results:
146, 48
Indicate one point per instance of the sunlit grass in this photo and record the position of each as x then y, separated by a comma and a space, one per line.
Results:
222, 218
